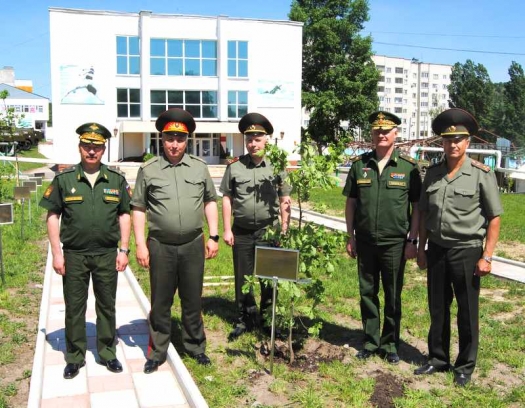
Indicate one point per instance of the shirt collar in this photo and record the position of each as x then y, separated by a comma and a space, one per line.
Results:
164, 162
102, 175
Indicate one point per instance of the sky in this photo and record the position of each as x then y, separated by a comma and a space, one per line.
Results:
488, 32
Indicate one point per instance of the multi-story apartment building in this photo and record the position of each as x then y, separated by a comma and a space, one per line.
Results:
413, 90
123, 69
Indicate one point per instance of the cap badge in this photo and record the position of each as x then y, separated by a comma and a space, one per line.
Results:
94, 127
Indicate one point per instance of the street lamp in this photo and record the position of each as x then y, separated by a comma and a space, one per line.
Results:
115, 133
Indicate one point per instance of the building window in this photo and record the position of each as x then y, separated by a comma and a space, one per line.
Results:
399, 80
443, 96
238, 59
435, 76
128, 55
381, 98
424, 75
445, 77
201, 104
399, 90
128, 103
381, 79
183, 57
398, 110
388, 90
435, 86
388, 100
398, 100
237, 104
388, 80
424, 94
424, 84
399, 70
414, 75
388, 70
380, 89
445, 86
424, 104
380, 68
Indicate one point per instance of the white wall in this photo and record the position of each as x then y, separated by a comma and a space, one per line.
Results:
275, 56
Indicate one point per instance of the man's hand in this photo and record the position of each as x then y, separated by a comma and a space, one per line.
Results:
350, 247
59, 264
212, 249
422, 259
228, 238
122, 261
410, 251
483, 268
143, 255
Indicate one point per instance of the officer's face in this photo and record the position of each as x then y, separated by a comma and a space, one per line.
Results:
384, 137
91, 154
254, 144
455, 148
174, 146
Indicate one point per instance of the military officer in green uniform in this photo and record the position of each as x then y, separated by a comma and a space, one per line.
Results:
382, 190
89, 212
174, 191
460, 209
255, 196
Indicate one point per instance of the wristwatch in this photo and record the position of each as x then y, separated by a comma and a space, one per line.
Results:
412, 241
488, 259
214, 238
124, 251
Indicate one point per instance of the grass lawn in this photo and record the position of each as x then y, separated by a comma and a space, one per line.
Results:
326, 373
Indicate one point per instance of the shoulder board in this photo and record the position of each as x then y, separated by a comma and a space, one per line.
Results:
115, 170
150, 161
197, 158
481, 166
66, 170
407, 158
234, 160
353, 159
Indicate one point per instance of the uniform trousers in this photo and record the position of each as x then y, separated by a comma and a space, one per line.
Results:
451, 272
385, 263
243, 264
175, 267
102, 270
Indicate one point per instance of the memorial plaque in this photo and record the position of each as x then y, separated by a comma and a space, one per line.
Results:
276, 262
31, 185
38, 180
6, 213
22, 192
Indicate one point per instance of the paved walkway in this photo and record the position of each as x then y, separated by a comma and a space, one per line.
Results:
95, 386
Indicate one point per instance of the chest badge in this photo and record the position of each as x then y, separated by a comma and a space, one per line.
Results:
365, 171
73, 190
398, 176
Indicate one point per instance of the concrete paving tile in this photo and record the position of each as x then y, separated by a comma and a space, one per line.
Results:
118, 382
136, 326
125, 399
78, 401
158, 389
94, 369
135, 351
54, 385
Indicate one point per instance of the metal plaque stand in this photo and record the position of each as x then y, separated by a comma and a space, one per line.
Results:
283, 265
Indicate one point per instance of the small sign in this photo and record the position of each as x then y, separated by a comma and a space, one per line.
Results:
21, 193
41, 175
6, 213
38, 180
276, 262
31, 185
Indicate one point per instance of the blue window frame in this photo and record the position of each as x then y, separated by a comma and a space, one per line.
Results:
128, 55
238, 59
201, 104
237, 104
183, 57
128, 103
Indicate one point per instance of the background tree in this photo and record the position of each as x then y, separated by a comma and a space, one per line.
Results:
339, 81
513, 126
471, 89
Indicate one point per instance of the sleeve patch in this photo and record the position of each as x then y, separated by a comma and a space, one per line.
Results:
48, 191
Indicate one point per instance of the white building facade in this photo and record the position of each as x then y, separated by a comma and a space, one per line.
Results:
129, 67
414, 91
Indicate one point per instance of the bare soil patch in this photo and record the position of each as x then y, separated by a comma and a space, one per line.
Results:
511, 250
